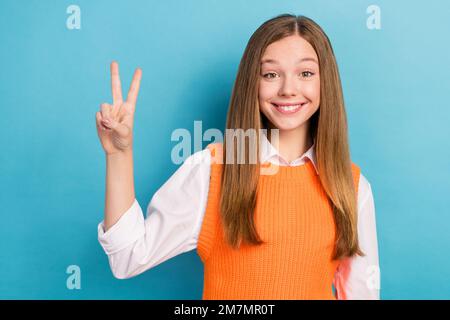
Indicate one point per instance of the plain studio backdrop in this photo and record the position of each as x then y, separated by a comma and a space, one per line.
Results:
54, 63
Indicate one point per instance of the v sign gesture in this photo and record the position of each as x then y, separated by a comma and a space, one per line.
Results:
115, 122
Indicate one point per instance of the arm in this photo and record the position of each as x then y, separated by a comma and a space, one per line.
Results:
358, 278
115, 128
172, 225
119, 186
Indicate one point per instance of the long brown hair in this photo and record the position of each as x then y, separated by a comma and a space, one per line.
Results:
328, 127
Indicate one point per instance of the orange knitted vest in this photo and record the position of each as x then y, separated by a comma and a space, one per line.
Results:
294, 217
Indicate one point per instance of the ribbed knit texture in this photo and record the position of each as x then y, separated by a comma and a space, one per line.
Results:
295, 219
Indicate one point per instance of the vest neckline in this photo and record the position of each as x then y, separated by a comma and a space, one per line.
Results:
271, 170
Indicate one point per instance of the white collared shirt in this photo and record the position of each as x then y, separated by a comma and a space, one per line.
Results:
175, 213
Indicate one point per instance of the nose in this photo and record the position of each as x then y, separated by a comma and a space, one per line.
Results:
288, 87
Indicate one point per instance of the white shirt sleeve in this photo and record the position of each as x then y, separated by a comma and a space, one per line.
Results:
358, 278
172, 224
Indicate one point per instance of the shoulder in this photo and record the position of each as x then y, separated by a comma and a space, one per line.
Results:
356, 173
196, 166
355, 168
210, 158
215, 152
364, 187
199, 158
363, 183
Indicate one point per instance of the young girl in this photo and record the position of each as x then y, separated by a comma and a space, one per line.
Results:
290, 234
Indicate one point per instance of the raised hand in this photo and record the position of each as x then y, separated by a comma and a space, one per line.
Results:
115, 121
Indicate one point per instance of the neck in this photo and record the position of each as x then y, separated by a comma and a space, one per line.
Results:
293, 143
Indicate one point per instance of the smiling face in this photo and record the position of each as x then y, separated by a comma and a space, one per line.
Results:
289, 86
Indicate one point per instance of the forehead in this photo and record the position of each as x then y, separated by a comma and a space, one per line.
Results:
289, 50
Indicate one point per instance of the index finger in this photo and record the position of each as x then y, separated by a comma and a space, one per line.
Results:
116, 87
134, 87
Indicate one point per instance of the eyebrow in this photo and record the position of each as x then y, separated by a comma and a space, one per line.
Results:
298, 61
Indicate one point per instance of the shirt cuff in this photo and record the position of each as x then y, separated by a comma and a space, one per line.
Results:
129, 228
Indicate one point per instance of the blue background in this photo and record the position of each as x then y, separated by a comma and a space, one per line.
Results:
52, 167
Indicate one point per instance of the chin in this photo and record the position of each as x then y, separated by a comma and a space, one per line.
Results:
287, 128
287, 124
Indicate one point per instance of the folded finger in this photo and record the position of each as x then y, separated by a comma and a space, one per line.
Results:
105, 110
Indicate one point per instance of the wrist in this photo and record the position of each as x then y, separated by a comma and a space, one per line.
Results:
120, 154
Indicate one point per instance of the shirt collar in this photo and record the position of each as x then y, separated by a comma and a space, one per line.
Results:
269, 153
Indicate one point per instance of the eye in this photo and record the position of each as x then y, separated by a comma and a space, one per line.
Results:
307, 72
269, 73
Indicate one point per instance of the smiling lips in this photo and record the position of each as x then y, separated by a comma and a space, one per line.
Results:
288, 108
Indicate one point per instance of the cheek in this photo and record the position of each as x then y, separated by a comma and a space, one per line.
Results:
266, 91
312, 91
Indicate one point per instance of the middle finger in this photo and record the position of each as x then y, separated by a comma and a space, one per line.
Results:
116, 87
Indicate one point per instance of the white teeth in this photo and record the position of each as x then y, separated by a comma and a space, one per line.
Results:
289, 108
